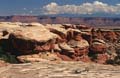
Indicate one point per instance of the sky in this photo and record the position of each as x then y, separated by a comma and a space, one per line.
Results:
60, 7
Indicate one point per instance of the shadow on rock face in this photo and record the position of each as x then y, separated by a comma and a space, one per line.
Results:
5, 53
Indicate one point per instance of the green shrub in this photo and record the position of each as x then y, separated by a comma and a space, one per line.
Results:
7, 57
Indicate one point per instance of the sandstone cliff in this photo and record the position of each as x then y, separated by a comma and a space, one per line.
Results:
90, 21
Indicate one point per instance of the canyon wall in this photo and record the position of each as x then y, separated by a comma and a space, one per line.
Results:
90, 21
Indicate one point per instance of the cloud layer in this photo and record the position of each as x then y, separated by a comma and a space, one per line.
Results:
85, 8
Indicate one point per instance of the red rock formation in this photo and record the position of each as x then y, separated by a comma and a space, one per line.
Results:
111, 36
99, 51
68, 42
24, 19
32, 40
102, 58
98, 46
64, 20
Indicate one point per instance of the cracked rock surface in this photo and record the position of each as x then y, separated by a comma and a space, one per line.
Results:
59, 70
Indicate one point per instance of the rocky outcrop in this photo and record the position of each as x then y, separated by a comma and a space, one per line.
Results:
110, 36
37, 42
32, 39
57, 29
98, 46
99, 51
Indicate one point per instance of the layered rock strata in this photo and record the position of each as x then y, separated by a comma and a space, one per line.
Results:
34, 42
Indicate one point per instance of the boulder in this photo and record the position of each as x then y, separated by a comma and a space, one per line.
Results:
80, 44
98, 46
39, 34
32, 39
110, 36
64, 51
71, 33
57, 29
80, 48
101, 58
99, 51
65, 47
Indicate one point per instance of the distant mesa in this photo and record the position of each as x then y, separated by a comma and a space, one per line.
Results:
89, 21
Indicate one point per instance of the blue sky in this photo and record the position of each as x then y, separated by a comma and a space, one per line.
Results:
57, 7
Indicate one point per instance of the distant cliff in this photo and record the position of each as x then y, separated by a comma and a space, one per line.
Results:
91, 21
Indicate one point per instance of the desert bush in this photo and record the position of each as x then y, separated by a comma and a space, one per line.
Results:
7, 57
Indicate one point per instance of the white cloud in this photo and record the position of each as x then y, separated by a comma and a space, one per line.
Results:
85, 8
